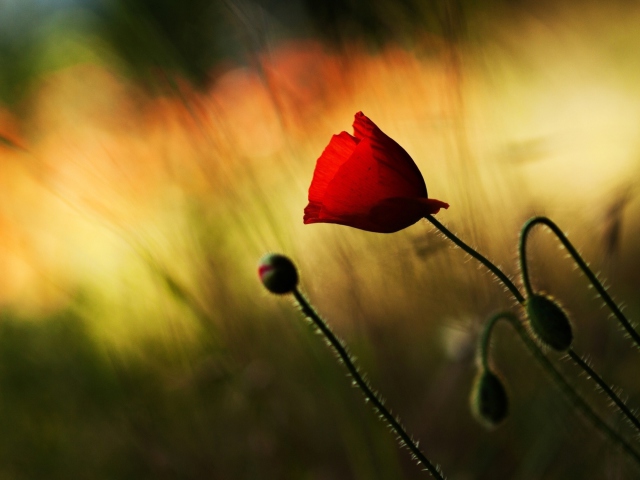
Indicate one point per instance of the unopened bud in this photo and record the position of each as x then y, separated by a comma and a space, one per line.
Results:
549, 322
489, 401
277, 273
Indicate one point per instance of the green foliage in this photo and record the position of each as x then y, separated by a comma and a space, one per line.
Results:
159, 39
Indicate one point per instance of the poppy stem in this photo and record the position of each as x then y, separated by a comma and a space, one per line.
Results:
340, 349
522, 300
572, 396
605, 388
485, 338
526, 229
481, 258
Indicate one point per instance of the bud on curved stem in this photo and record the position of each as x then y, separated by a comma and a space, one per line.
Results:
489, 400
549, 322
595, 419
569, 392
280, 277
278, 273
526, 229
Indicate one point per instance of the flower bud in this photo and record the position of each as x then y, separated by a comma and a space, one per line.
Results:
549, 322
277, 273
489, 401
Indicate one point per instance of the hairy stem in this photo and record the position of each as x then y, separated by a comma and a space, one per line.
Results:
580, 262
370, 395
572, 396
605, 388
526, 230
567, 389
481, 258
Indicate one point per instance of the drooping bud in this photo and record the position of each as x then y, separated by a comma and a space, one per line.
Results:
549, 322
489, 401
277, 273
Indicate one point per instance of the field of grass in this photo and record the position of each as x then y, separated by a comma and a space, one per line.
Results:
136, 340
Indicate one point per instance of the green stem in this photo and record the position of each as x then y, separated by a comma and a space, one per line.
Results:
485, 339
370, 395
605, 388
481, 258
526, 230
581, 263
522, 300
569, 392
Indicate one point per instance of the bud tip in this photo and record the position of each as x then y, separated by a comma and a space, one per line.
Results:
549, 322
489, 401
278, 273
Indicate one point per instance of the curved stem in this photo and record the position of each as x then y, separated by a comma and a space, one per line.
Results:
572, 396
481, 258
605, 388
370, 395
521, 299
581, 263
485, 339
526, 230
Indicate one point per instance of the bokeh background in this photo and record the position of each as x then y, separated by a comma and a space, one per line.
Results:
152, 151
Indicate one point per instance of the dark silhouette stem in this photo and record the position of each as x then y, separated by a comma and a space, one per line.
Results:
485, 338
580, 262
526, 230
605, 388
481, 258
370, 395
572, 396
566, 388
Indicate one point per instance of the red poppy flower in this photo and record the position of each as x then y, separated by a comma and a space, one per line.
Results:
368, 181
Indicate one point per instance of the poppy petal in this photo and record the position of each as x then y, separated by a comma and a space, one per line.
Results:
361, 222
394, 214
431, 206
312, 213
354, 188
400, 173
368, 181
355, 221
333, 157
388, 216
363, 127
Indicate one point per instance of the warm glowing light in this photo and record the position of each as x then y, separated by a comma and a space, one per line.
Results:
105, 183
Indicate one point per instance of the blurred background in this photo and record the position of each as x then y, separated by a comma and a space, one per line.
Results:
152, 151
